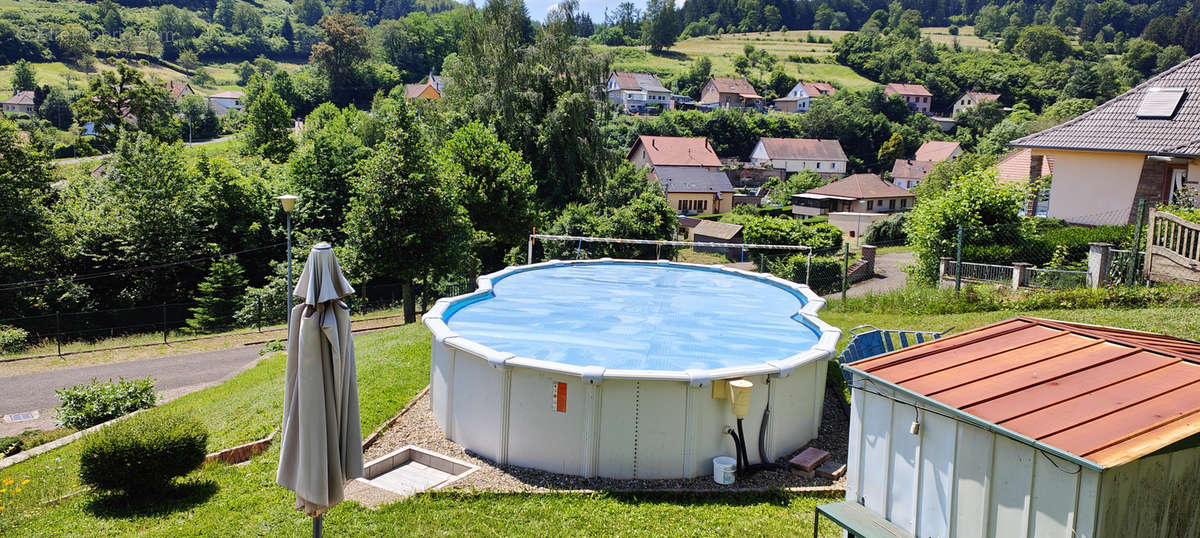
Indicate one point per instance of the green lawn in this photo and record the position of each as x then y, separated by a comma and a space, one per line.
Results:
393, 366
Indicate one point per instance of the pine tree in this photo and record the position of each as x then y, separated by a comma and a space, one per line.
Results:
218, 296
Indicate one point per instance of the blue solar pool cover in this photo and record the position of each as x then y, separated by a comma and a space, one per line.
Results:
637, 316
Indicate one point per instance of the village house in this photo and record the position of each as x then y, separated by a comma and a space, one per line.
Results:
695, 190
799, 99
222, 102
654, 151
1142, 145
795, 154
688, 170
853, 202
973, 99
21, 103
1026, 427
918, 98
423, 90
727, 92
179, 89
936, 151
633, 91
908, 173
1019, 167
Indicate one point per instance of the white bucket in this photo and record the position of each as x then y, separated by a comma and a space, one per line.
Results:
723, 469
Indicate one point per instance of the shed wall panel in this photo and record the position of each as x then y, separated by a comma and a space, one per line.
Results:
902, 505
1087, 504
877, 427
1055, 486
938, 441
972, 480
1154, 497
1012, 478
854, 449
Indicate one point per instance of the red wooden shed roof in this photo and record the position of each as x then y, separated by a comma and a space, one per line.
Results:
1107, 395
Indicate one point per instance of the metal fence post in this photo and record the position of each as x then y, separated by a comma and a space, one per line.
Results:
258, 313
58, 331
1137, 243
529, 252
845, 270
958, 261
164, 318
808, 268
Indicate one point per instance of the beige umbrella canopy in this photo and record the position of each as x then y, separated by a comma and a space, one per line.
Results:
322, 438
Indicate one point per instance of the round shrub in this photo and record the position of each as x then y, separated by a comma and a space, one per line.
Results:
142, 454
13, 339
84, 406
887, 231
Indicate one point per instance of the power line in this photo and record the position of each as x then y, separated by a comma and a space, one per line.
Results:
35, 283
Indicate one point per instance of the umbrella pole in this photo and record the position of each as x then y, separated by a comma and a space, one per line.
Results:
317, 523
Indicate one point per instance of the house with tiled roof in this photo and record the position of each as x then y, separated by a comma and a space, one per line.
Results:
695, 190
222, 102
726, 92
938, 150
858, 193
423, 90
178, 89
918, 97
972, 99
1142, 145
800, 98
633, 91
824, 156
654, 151
21, 103
907, 173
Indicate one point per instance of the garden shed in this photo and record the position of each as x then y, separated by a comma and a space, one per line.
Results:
1025, 428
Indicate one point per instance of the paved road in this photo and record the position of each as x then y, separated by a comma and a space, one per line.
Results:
890, 275
174, 376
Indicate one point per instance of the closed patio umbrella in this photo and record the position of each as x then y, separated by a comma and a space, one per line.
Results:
322, 440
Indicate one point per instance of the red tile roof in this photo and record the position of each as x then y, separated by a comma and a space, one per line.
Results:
816, 89
1106, 395
803, 149
23, 97
862, 186
1015, 166
937, 150
912, 169
177, 88
906, 89
676, 151
739, 86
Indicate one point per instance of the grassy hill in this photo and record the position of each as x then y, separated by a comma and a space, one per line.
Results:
721, 49
74, 78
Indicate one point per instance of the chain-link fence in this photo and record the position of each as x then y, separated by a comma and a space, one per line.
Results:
826, 271
171, 320
1106, 249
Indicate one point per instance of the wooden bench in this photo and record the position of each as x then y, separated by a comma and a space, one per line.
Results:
858, 520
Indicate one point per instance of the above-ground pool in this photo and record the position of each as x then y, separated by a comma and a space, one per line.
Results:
618, 368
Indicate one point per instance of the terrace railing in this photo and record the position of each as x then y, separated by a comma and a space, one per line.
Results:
1172, 249
981, 272
1056, 278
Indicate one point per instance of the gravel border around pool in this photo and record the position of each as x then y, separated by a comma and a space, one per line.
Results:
417, 426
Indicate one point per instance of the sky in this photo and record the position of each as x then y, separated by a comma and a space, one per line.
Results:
595, 8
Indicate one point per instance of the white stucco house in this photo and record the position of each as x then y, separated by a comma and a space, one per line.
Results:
824, 156
223, 102
634, 90
800, 98
1026, 428
973, 99
1142, 145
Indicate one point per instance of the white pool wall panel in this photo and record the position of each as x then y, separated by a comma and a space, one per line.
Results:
617, 423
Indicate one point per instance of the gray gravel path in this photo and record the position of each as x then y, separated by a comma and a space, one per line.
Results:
173, 376
889, 275
418, 427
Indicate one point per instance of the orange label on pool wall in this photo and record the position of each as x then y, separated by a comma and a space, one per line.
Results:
560, 397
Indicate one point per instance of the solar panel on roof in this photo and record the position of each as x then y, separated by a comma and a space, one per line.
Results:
1159, 103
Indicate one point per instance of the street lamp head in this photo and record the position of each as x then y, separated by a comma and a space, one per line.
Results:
288, 201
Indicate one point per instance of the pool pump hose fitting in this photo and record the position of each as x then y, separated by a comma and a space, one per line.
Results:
739, 397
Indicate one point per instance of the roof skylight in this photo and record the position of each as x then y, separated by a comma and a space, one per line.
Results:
1160, 103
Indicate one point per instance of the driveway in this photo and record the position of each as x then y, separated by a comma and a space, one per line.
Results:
173, 376
889, 274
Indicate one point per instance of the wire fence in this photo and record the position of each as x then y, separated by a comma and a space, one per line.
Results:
826, 271
1103, 249
171, 320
